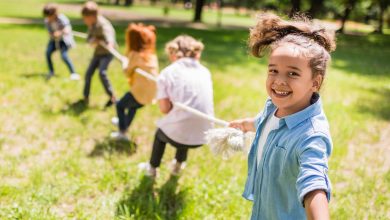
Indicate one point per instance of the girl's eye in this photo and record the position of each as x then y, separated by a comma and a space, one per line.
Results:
272, 71
293, 74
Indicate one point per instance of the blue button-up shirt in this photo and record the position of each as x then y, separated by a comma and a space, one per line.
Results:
294, 162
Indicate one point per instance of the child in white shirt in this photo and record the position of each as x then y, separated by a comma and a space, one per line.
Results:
188, 82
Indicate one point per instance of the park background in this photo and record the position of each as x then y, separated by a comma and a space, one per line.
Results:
57, 162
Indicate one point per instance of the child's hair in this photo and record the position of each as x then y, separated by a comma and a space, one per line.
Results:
90, 8
140, 38
315, 42
184, 46
50, 9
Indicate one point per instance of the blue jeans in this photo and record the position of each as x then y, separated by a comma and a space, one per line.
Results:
126, 102
53, 46
101, 62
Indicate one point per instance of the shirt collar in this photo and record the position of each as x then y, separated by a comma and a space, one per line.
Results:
293, 120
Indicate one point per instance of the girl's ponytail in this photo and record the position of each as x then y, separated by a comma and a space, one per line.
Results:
271, 28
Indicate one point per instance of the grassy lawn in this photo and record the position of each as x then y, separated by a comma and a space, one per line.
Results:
56, 161
22, 9
19, 8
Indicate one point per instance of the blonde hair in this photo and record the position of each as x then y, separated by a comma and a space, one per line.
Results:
90, 8
184, 46
315, 42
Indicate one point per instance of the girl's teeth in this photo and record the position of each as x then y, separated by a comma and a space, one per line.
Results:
281, 93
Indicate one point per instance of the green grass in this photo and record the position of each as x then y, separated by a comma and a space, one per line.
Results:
23, 9
57, 163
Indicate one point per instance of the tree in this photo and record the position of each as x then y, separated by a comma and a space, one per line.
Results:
219, 15
349, 5
295, 7
383, 4
237, 5
127, 2
316, 7
198, 10
250, 4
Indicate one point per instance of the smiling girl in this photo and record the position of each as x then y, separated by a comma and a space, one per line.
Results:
288, 160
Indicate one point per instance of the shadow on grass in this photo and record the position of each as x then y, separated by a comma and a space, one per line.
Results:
109, 146
75, 108
378, 105
363, 55
33, 75
146, 202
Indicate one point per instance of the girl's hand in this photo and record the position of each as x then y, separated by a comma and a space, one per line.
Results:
165, 105
57, 34
245, 125
93, 42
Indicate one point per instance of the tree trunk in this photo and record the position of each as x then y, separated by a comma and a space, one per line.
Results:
128, 2
251, 4
117, 2
383, 4
295, 7
316, 6
237, 5
153, 2
198, 10
219, 13
349, 7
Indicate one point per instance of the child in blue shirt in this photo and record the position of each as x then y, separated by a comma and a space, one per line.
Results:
61, 38
288, 160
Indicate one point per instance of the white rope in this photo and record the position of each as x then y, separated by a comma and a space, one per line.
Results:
223, 141
227, 141
80, 34
115, 53
184, 107
201, 114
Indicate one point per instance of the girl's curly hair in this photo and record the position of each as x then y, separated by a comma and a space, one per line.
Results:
184, 46
315, 42
140, 38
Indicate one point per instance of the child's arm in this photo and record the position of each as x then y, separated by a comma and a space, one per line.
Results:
66, 27
316, 205
313, 183
109, 35
165, 105
245, 125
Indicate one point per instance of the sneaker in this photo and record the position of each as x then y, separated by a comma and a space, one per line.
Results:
115, 121
117, 135
176, 167
148, 169
49, 76
74, 77
85, 101
111, 101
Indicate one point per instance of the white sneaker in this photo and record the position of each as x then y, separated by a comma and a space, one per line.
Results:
148, 169
74, 76
176, 167
117, 135
115, 121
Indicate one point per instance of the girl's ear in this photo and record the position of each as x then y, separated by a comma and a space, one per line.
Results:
317, 83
